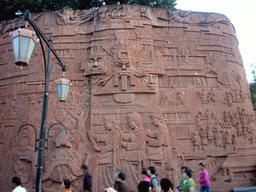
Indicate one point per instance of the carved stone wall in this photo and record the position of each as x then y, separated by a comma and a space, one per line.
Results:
159, 87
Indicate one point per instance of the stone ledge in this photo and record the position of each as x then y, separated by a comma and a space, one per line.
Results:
253, 188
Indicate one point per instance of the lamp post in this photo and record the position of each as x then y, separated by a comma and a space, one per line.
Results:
23, 45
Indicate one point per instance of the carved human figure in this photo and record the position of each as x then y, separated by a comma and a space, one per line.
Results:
204, 139
158, 140
203, 96
237, 125
109, 152
230, 98
63, 162
244, 121
134, 141
228, 137
210, 133
251, 132
196, 140
218, 138
211, 96
20, 171
179, 98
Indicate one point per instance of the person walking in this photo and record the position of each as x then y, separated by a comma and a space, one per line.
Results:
154, 183
182, 180
87, 179
16, 185
67, 184
204, 179
190, 185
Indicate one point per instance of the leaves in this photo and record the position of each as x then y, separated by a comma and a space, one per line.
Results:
8, 8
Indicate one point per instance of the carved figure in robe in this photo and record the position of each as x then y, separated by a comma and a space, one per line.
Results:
134, 142
109, 152
218, 139
251, 132
62, 163
228, 138
210, 134
244, 121
204, 139
158, 140
196, 140
237, 124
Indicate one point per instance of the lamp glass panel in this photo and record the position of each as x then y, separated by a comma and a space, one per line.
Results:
65, 88
32, 46
24, 42
59, 91
15, 42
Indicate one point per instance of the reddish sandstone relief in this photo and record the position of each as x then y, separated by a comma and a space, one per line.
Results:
150, 87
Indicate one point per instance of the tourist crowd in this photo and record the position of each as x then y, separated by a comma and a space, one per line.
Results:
150, 182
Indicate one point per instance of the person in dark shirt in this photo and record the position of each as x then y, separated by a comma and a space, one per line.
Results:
87, 179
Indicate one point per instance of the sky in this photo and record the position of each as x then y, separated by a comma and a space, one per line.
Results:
242, 15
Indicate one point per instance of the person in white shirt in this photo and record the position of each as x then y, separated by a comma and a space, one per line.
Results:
16, 185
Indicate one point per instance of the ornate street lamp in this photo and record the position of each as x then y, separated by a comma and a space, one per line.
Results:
62, 88
23, 45
23, 41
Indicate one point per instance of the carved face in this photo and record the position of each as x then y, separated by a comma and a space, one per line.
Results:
132, 123
151, 81
103, 14
156, 122
95, 66
108, 125
123, 60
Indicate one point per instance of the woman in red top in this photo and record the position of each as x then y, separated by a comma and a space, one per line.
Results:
204, 179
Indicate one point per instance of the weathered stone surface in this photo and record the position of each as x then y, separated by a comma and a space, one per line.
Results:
150, 87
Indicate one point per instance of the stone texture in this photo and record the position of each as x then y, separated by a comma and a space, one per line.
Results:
150, 87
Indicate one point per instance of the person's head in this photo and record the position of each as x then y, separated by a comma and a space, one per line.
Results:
121, 176
85, 168
144, 186
144, 173
166, 184
67, 183
119, 186
187, 174
183, 169
202, 166
151, 171
16, 182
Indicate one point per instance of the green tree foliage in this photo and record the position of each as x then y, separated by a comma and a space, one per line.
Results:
253, 87
8, 8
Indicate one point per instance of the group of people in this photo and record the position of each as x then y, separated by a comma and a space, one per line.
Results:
150, 182
187, 184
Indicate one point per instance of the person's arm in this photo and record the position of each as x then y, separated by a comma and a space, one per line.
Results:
191, 189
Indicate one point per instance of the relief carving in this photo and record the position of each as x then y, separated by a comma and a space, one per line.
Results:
158, 146
143, 94
109, 153
62, 163
207, 96
68, 17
